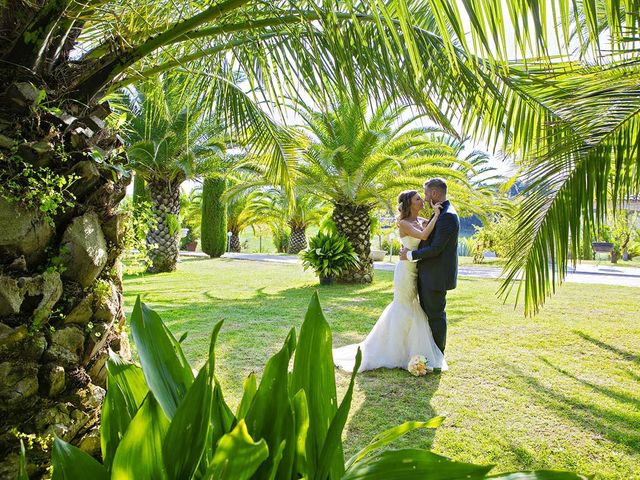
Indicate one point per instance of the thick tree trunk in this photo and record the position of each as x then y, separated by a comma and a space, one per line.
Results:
61, 305
353, 222
235, 242
297, 240
164, 239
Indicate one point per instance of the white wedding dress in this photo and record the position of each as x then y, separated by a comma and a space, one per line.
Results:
402, 330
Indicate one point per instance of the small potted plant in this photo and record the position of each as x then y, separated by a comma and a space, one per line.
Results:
189, 241
329, 255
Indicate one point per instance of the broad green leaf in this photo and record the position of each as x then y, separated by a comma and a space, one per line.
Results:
313, 372
271, 414
333, 441
390, 435
188, 433
222, 422
222, 419
301, 417
237, 456
277, 458
22, 467
165, 368
409, 464
139, 455
249, 387
538, 475
126, 390
71, 463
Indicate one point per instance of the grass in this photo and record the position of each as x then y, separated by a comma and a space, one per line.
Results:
559, 391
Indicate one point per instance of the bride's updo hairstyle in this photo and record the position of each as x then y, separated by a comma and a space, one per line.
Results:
404, 204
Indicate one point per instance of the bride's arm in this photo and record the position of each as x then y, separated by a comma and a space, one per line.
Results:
407, 229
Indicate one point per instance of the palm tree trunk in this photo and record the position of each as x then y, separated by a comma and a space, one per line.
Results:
297, 240
61, 306
235, 242
163, 240
354, 222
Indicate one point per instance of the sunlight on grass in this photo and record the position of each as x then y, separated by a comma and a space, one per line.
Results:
556, 391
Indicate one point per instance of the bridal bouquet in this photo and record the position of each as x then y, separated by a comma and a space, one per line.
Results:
418, 366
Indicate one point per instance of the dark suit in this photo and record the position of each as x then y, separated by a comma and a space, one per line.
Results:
438, 271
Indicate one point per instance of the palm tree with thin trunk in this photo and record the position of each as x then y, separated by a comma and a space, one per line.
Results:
275, 208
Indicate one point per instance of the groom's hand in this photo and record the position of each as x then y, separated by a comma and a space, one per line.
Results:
403, 253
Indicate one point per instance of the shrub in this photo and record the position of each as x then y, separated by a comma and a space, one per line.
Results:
466, 247
280, 236
158, 421
214, 217
329, 255
497, 235
139, 220
633, 250
395, 247
190, 237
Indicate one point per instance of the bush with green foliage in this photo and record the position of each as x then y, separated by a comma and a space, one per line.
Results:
466, 247
191, 216
395, 246
280, 238
213, 228
329, 255
497, 235
139, 220
622, 232
159, 422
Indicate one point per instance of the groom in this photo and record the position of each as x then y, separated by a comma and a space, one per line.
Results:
437, 259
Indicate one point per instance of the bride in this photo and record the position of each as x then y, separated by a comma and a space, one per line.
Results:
402, 330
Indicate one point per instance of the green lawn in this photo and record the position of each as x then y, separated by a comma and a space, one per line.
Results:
561, 390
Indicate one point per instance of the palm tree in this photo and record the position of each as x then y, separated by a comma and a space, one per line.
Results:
357, 159
170, 140
275, 207
238, 219
61, 59
573, 124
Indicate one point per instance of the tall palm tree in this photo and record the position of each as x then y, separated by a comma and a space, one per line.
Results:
170, 139
355, 159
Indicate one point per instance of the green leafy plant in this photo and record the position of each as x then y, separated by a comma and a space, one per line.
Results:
140, 219
158, 421
466, 247
173, 223
281, 238
394, 246
189, 238
496, 235
36, 187
329, 255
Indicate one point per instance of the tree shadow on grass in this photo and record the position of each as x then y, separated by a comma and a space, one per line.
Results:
623, 354
619, 425
385, 398
256, 325
619, 396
